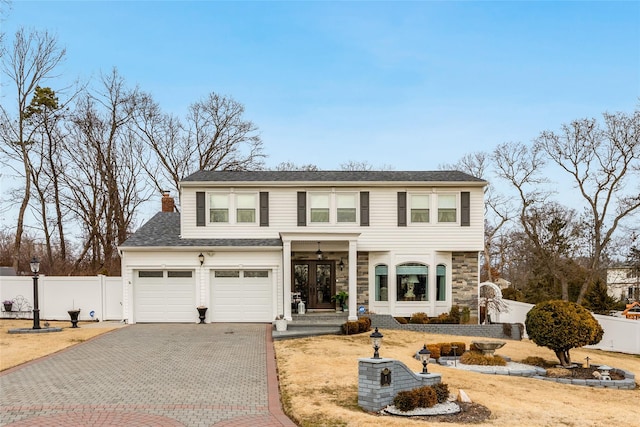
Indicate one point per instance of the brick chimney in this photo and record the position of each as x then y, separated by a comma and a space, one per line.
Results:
168, 204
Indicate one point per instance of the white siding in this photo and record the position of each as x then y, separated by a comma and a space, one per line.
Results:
383, 232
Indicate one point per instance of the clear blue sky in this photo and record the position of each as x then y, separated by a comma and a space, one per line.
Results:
406, 84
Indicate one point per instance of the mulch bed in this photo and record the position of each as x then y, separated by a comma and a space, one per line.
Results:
470, 413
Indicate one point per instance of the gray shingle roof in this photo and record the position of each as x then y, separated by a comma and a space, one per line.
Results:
163, 230
332, 176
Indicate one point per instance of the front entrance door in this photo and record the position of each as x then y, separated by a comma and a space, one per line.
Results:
315, 281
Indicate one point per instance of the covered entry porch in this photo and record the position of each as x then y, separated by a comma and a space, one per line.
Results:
316, 266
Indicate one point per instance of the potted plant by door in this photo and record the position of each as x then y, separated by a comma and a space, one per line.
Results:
341, 299
281, 323
8, 305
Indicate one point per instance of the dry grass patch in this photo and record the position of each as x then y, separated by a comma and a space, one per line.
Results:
319, 384
16, 349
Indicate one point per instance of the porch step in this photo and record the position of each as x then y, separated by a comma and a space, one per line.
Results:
312, 324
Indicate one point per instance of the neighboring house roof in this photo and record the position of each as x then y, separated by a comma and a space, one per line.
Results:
334, 176
163, 230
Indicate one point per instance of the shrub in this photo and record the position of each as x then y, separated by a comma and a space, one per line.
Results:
537, 361
454, 314
363, 324
561, 326
401, 320
445, 349
426, 397
406, 401
434, 349
465, 316
477, 358
419, 318
461, 348
422, 397
442, 392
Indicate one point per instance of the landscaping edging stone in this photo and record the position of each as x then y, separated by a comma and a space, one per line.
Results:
494, 330
538, 373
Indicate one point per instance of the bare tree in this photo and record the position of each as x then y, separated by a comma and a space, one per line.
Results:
223, 138
215, 136
104, 176
497, 207
30, 61
290, 166
603, 161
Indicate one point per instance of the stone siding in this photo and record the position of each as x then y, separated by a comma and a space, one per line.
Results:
465, 280
363, 279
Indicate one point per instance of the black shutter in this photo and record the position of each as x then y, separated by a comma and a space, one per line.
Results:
465, 209
200, 209
364, 208
264, 209
402, 209
302, 208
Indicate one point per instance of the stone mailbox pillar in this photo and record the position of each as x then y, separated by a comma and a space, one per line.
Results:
379, 380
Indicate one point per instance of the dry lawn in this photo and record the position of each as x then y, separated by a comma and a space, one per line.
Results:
16, 349
319, 384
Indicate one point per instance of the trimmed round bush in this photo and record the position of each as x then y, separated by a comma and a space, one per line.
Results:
434, 349
561, 326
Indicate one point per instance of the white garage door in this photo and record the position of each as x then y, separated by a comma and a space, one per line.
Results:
241, 296
165, 296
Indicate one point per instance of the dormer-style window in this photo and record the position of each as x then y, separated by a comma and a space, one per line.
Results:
447, 208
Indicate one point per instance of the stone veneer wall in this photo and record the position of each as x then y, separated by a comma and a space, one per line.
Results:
362, 283
465, 280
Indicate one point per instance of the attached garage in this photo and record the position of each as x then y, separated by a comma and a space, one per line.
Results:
241, 296
165, 296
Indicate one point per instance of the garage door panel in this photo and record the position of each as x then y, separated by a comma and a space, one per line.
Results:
241, 299
163, 298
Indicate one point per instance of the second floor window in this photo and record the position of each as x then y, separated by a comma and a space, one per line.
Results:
346, 207
233, 208
319, 204
446, 208
246, 208
419, 208
219, 208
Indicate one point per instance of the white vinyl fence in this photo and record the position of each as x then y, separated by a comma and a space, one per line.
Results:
101, 295
620, 334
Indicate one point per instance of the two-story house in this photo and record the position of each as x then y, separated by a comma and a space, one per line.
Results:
248, 245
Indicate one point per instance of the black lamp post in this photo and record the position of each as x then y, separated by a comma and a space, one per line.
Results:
376, 341
35, 268
425, 354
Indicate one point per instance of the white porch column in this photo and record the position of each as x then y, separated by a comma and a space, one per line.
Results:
353, 280
286, 274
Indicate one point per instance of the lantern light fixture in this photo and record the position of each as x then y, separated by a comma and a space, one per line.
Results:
201, 259
341, 265
319, 252
376, 343
424, 354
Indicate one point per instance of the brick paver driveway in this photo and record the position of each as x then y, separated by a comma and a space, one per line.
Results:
151, 375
